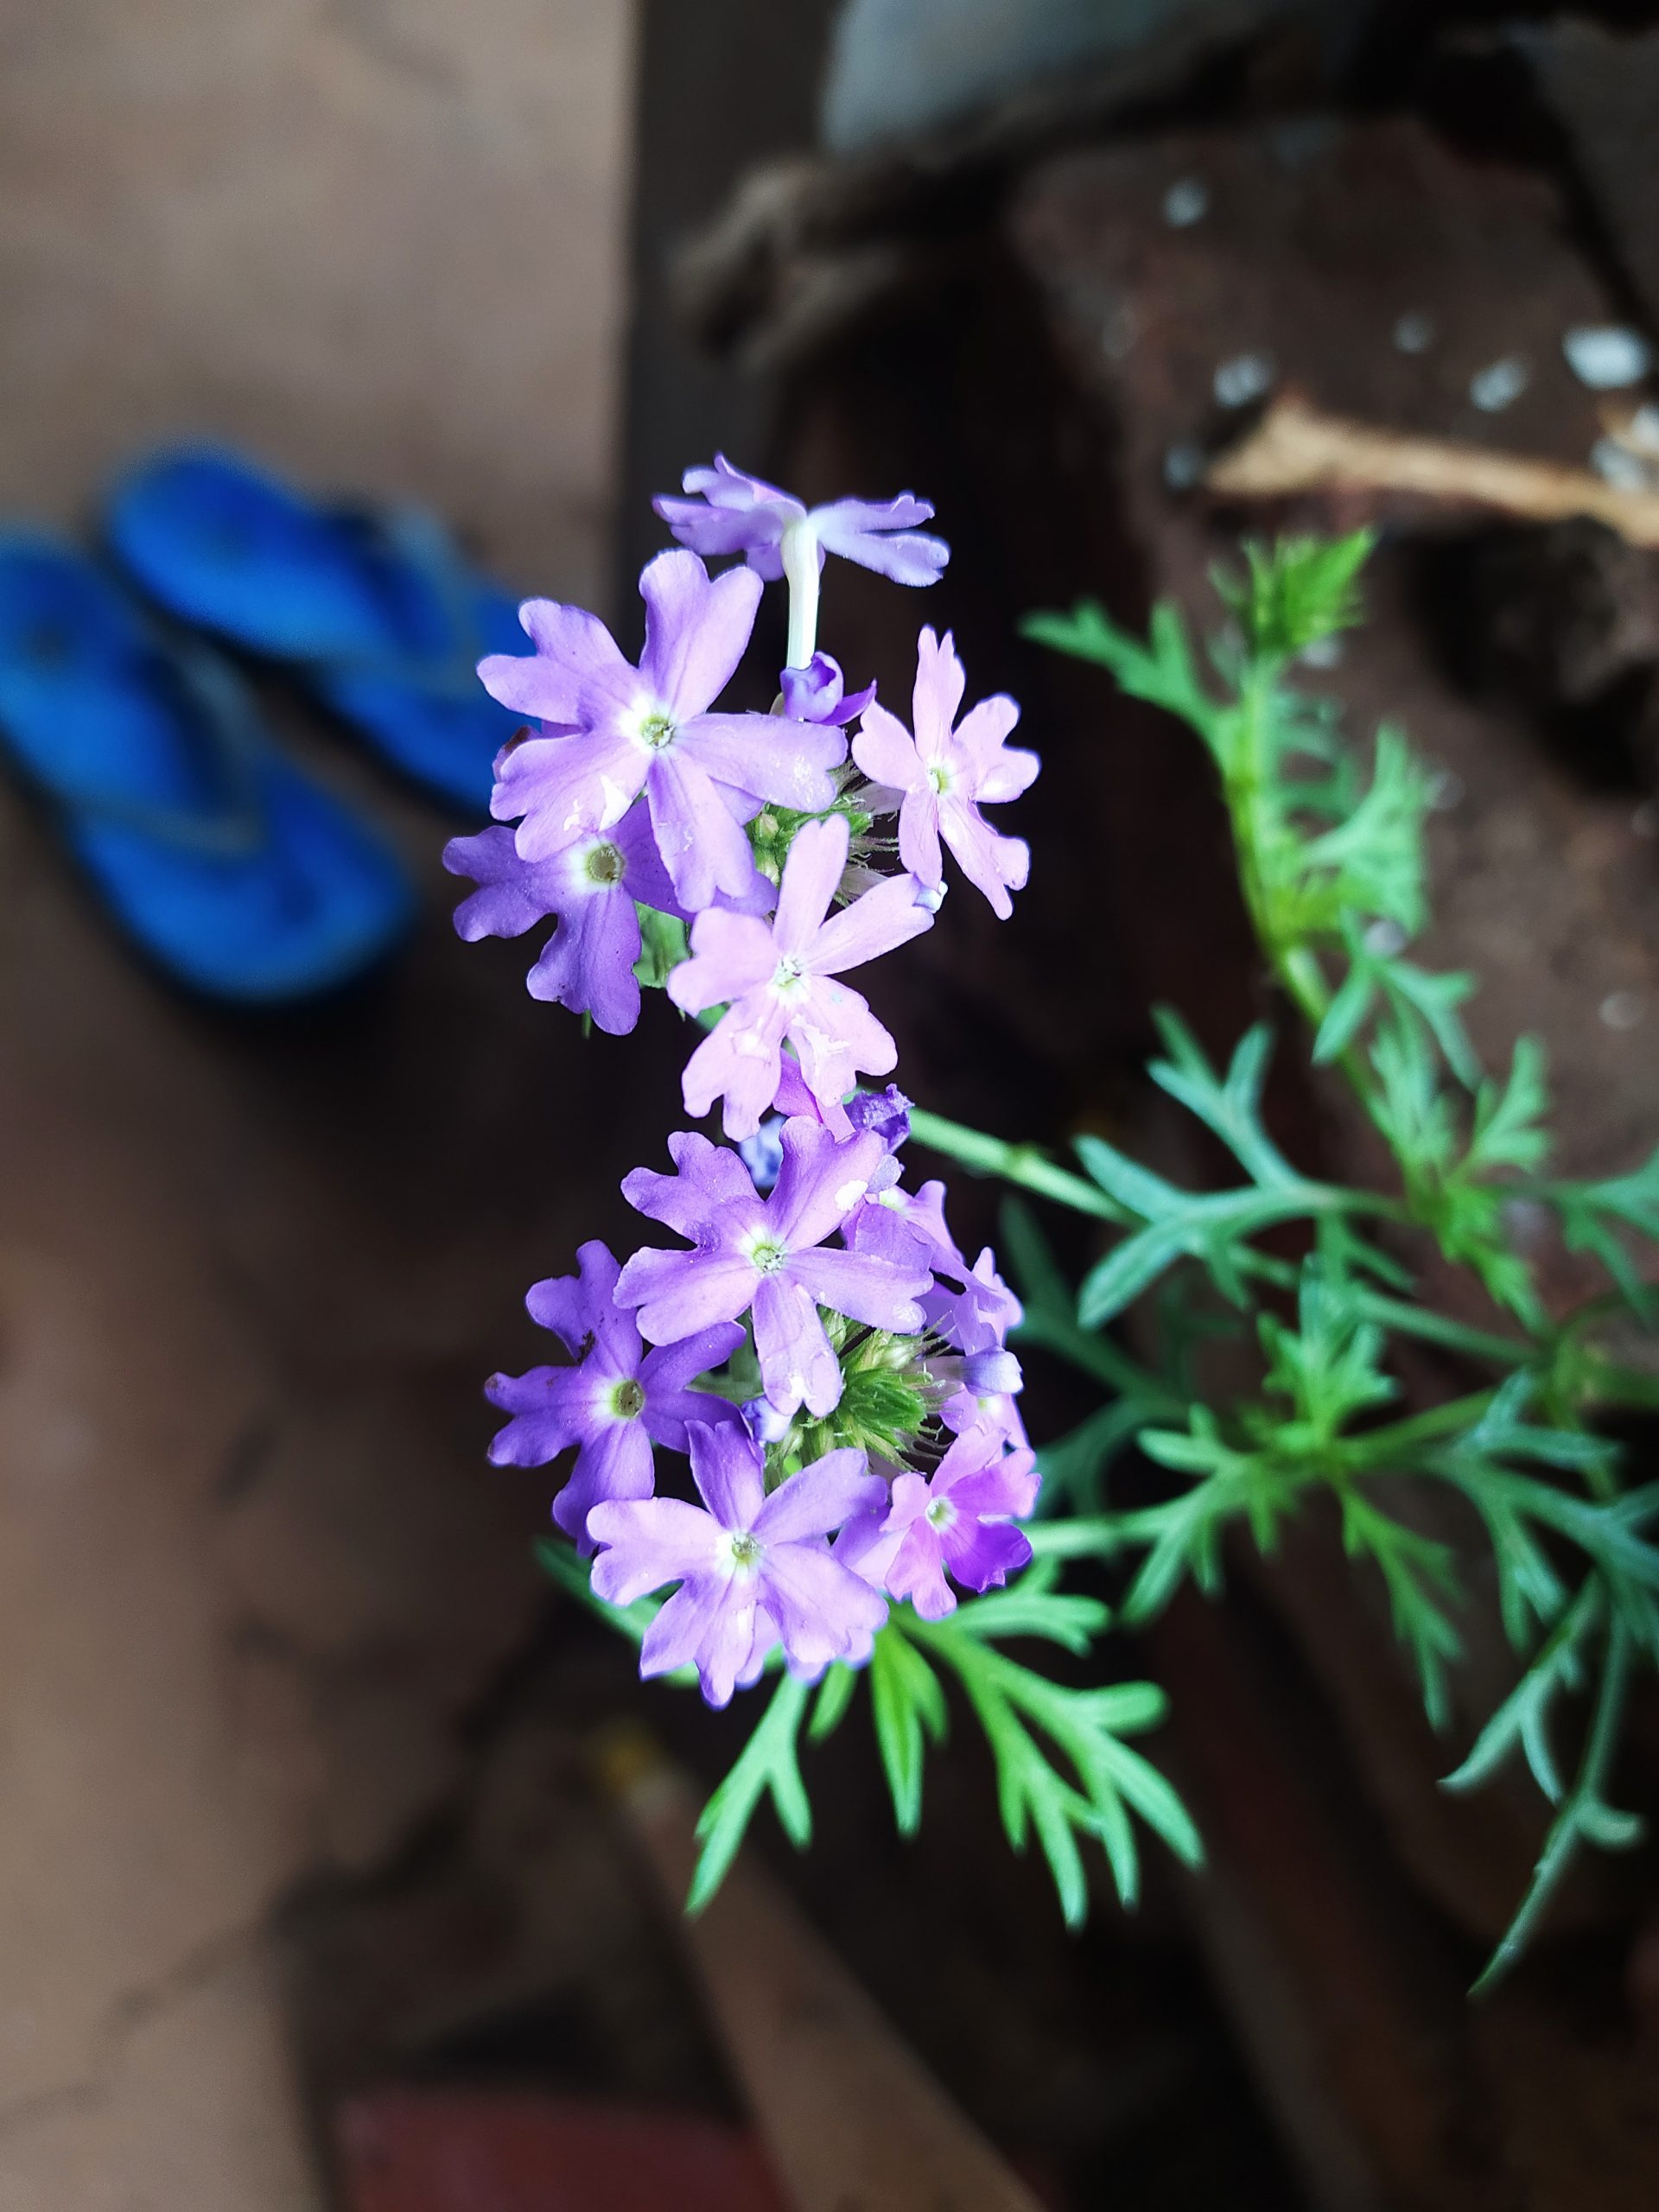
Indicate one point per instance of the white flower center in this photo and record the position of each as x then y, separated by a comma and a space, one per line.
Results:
940, 1515
789, 976
765, 1253
657, 731
941, 775
602, 864
743, 1555
627, 1400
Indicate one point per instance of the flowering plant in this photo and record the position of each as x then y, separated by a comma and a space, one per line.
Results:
798, 1448
1513, 1453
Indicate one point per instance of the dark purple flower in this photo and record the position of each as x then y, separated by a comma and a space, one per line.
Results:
614, 730
767, 1254
946, 774
729, 511
751, 1568
614, 1403
959, 1523
817, 693
776, 979
591, 886
887, 1112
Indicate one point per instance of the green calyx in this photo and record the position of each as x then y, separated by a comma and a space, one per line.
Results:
774, 829
883, 1407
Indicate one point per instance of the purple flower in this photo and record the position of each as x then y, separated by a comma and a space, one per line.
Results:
765, 1253
975, 1380
979, 1389
978, 1317
887, 1112
906, 1227
614, 730
614, 1403
959, 1523
815, 693
763, 1153
591, 886
750, 1567
729, 511
778, 976
946, 774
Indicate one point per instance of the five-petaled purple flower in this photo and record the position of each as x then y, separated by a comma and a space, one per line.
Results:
753, 1569
729, 512
768, 1254
591, 884
613, 730
958, 1523
778, 976
946, 773
615, 1402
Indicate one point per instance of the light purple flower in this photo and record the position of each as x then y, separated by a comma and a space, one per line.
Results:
978, 1389
591, 886
775, 978
614, 1403
615, 730
767, 1254
750, 1567
818, 693
975, 1380
946, 774
729, 511
906, 1227
960, 1524
979, 1316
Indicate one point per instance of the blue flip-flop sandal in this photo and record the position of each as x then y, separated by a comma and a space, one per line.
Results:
375, 607
236, 874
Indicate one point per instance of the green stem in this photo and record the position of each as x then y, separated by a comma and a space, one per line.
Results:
1245, 789
1399, 1440
1023, 1164
1439, 1329
1565, 1830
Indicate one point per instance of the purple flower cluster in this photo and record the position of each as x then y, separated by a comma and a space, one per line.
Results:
803, 1266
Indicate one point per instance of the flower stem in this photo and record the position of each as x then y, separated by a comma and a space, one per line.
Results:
800, 558
1016, 1163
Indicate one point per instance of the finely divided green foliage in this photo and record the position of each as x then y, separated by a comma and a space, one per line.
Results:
1330, 859
1064, 1771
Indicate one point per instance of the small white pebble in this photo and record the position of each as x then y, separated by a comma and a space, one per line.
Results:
1499, 385
1607, 356
1245, 378
1184, 466
1414, 333
1645, 820
1385, 938
1615, 464
1445, 791
1621, 1009
1186, 202
1323, 652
